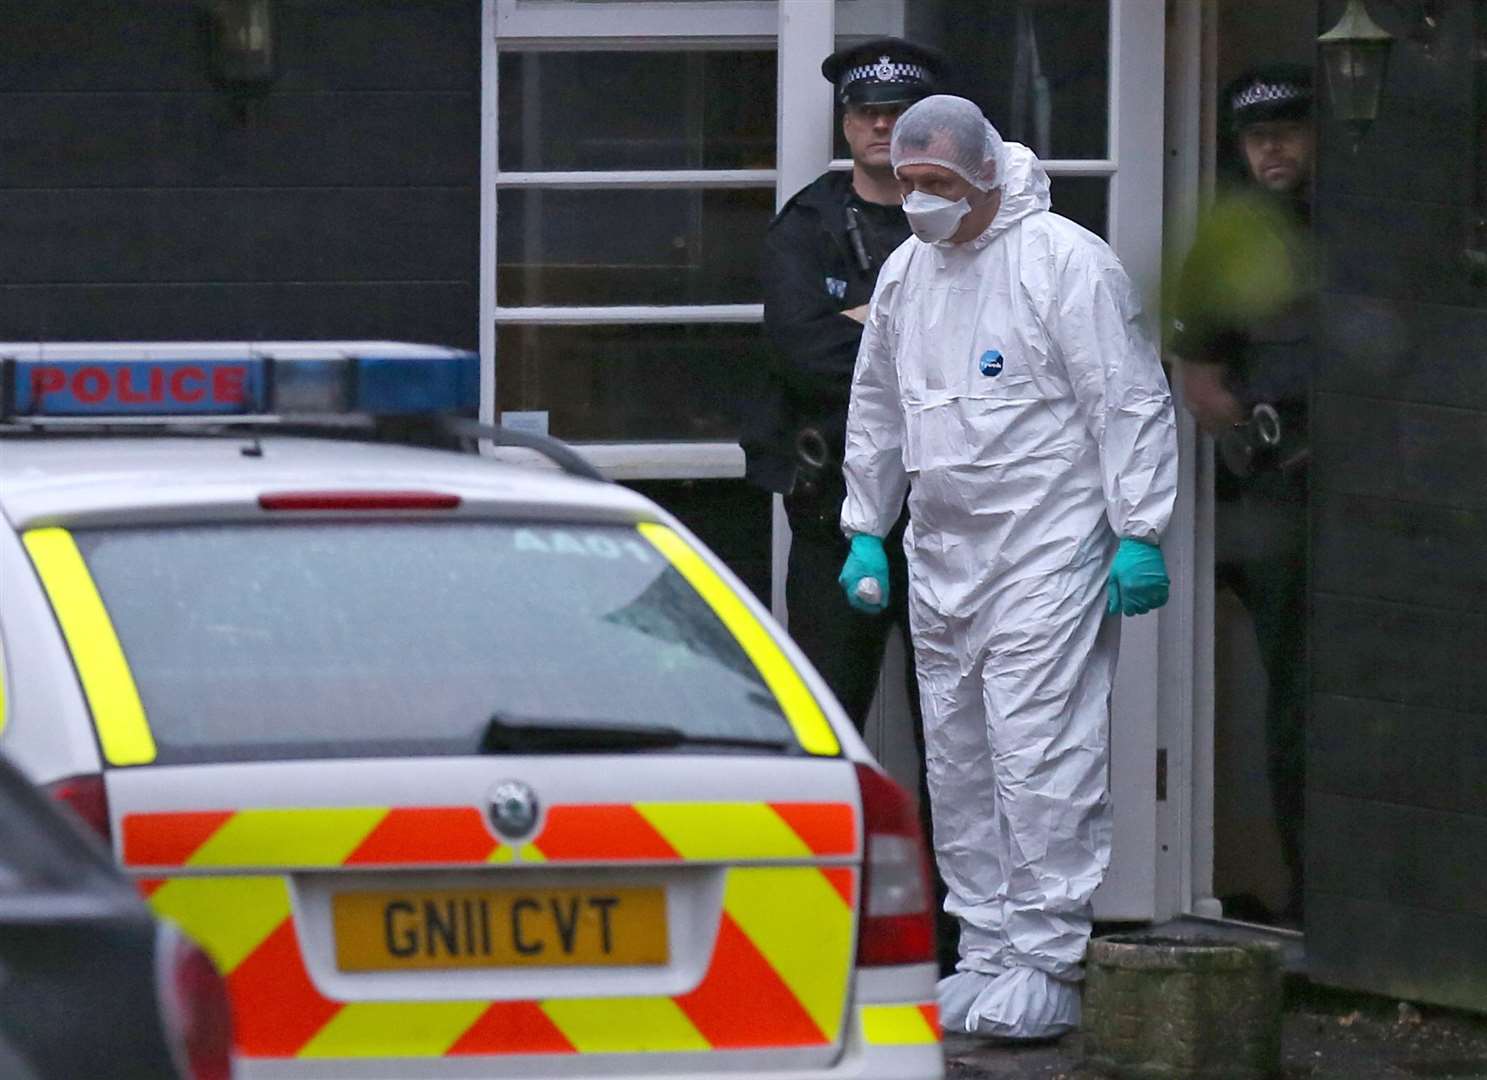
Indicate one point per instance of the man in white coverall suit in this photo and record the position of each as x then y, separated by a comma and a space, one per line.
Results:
1004, 378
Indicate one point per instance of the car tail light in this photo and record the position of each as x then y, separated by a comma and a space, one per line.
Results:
87, 798
897, 902
195, 1008
359, 500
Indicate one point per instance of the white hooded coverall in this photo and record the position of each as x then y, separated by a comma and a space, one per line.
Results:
1007, 383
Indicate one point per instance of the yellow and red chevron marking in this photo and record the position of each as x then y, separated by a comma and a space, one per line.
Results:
457, 836
697, 831
353, 836
900, 1025
777, 977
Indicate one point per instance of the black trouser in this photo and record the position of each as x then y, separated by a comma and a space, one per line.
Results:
847, 645
1270, 580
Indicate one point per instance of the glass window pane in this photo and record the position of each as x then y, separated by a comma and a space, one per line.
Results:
1039, 69
632, 382
263, 642
1084, 199
562, 111
630, 247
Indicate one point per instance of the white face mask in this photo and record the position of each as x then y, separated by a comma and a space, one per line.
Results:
933, 218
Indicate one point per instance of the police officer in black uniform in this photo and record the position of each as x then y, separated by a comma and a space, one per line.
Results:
1244, 330
822, 258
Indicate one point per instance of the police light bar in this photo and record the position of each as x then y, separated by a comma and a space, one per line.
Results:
186, 379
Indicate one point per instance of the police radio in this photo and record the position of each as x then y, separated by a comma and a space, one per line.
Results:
854, 237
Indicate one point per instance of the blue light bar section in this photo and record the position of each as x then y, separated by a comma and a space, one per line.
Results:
439, 381
212, 387
399, 385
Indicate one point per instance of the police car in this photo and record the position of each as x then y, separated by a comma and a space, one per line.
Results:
456, 767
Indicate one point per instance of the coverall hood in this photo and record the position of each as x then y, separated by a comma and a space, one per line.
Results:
1024, 191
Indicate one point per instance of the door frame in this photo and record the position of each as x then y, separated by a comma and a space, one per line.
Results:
1162, 711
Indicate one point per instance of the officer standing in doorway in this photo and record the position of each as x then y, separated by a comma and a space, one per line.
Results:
1243, 329
822, 258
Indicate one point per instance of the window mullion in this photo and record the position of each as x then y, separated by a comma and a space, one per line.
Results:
633, 314
688, 179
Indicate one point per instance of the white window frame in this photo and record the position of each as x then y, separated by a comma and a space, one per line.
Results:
621, 21
539, 22
1133, 166
1097, 167
570, 25
1188, 638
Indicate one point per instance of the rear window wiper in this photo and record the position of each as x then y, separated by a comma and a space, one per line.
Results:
506, 735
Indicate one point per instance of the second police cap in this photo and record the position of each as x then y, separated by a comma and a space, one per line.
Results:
885, 71
1277, 91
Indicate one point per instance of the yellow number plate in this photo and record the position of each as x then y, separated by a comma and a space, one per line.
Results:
460, 928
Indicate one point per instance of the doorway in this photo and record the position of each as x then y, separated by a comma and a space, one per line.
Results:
1258, 622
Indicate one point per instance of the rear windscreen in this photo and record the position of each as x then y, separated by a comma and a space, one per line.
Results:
256, 642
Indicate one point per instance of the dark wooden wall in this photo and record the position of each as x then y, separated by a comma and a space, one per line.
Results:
1397, 748
137, 200
140, 201
729, 516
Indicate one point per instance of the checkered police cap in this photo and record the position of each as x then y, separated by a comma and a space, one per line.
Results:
885, 70
1262, 92
1272, 92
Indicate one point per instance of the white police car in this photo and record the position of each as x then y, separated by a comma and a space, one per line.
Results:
456, 767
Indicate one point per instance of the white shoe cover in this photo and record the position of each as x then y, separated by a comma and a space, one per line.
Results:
1020, 1003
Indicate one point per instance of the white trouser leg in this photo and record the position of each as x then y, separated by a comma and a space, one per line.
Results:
1046, 675
1048, 712
962, 788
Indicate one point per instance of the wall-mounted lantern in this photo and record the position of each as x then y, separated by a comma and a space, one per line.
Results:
1355, 56
243, 43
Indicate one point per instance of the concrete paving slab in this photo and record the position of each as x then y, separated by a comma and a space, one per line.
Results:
1327, 1035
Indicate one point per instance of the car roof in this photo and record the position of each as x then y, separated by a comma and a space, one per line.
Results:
65, 476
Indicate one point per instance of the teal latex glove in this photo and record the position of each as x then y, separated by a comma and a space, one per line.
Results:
867, 561
1138, 579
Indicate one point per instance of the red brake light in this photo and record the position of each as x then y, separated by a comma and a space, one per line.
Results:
87, 798
897, 918
359, 500
195, 1008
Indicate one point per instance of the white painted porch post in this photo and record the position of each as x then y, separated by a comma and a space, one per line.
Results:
803, 133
